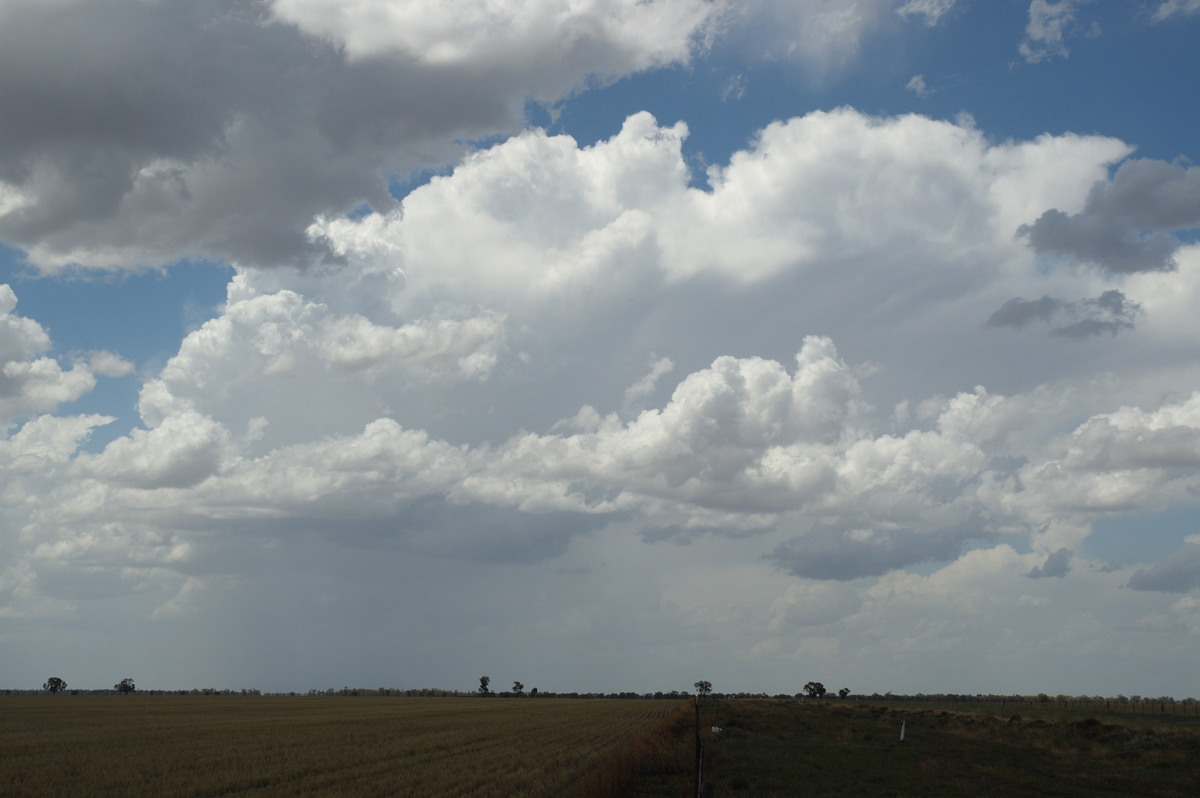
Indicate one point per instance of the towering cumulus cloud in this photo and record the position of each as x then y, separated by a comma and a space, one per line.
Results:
597, 395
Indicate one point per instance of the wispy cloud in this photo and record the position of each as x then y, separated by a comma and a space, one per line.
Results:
931, 10
916, 84
1050, 25
1172, 8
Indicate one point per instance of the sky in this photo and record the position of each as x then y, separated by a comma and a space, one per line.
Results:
602, 345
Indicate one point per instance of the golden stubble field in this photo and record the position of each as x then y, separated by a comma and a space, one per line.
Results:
132, 746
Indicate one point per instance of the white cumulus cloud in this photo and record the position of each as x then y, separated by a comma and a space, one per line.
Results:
30, 384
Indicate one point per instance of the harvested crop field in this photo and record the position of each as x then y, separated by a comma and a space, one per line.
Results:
261, 746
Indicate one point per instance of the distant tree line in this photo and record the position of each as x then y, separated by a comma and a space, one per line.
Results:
425, 692
1133, 703
485, 690
811, 690
56, 684
1040, 698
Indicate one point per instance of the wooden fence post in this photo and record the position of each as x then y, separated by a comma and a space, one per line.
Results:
699, 754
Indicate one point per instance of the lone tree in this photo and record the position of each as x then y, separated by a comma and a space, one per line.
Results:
814, 690
703, 687
845, 691
518, 688
54, 685
125, 686
484, 681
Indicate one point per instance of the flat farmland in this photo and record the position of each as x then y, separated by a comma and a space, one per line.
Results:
68, 745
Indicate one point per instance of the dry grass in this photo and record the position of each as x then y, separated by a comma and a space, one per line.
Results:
655, 762
134, 746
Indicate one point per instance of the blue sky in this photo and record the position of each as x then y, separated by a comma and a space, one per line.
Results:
396, 342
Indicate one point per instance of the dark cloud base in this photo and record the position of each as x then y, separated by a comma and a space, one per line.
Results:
1178, 573
832, 554
1109, 313
1125, 226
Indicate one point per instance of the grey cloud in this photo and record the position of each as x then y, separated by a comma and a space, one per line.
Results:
138, 133
91, 582
684, 535
1090, 327
834, 553
1109, 313
1151, 194
1178, 573
1095, 238
806, 605
146, 104
1125, 224
492, 534
433, 526
1057, 564
429, 525
1020, 312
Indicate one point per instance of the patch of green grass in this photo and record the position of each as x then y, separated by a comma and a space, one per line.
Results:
786, 748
